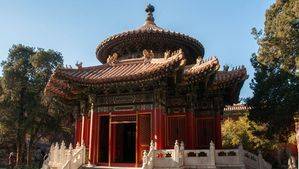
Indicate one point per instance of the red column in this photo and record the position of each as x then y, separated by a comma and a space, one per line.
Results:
218, 131
90, 135
95, 141
78, 127
86, 131
82, 129
163, 130
154, 126
190, 130
157, 125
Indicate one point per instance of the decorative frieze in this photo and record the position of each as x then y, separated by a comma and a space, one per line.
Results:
127, 107
124, 108
125, 99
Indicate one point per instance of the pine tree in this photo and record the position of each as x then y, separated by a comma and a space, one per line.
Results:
275, 85
26, 72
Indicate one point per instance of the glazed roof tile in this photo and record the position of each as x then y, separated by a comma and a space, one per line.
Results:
225, 78
125, 70
200, 69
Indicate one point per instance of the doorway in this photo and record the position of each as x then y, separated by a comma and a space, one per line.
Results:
124, 143
104, 139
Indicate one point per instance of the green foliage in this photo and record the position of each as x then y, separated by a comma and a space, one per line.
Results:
26, 72
279, 46
275, 85
245, 132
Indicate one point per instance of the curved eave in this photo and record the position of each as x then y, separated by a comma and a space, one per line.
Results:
120, 73
104, 48
230, 82
200, 71
63, 81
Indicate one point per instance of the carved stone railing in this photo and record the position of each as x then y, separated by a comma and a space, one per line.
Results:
206, 158
61, 157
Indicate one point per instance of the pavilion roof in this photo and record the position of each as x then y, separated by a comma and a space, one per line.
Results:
121, 71
149, 36
66, 82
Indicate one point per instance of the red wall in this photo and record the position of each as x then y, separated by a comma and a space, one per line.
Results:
195, 131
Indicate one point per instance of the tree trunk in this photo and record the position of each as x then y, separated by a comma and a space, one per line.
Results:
19, 153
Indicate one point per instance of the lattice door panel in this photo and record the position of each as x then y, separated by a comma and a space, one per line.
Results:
176, 130
144, 134
205, 132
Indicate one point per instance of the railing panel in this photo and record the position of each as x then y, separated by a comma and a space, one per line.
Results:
250, 160
196, 157
227, 156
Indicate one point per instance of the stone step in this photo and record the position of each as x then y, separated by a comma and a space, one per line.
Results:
107, 167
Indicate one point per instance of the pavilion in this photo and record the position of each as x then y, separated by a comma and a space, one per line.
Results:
153, 84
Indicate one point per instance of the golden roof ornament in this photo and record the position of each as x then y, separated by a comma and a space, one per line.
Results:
112, 59
199, 60
167, 54
149, 10
148, 54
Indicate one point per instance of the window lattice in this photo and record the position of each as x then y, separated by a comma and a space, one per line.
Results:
123, 118
145, 129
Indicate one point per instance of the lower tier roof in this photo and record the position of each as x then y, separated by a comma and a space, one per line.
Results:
66, 83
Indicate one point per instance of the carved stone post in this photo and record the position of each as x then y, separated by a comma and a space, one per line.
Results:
152, 145
56, 154
212, 155
92, 101
144, 160
296, 118
176, 151
181, 157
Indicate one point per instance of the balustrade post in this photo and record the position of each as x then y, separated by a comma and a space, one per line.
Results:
212, 155
144, 159
62, 153
50, 155
56, 154
151, 155
181, 156
182, 146
176, 151
152, 145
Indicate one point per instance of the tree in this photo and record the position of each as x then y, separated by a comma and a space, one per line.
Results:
275, 85
26, 72
251, 136
245, 132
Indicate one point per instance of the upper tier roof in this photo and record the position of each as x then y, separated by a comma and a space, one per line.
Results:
152, 37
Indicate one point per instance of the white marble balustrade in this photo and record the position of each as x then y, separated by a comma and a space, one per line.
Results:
179, 158
61, 157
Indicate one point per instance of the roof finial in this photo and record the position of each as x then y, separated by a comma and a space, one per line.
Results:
149, 10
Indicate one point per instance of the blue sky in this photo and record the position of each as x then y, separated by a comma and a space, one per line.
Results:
75, 27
